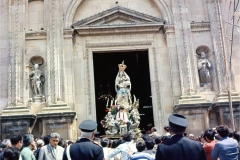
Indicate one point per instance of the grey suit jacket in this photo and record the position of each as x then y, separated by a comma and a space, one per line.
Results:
47, 153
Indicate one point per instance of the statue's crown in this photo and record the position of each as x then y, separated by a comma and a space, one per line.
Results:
122, 66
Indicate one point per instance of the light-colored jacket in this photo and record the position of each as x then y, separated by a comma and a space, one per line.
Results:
47, 153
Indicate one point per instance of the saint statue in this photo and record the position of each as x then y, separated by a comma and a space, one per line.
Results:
123, 87
37, 81
203, 68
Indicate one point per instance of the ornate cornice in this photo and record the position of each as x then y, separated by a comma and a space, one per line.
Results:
130, 16
89, 45
200, 26
36, 34
169, 28
68, 33
195, 27
121, 28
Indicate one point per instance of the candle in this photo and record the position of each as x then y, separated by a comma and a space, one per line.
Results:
111, 102
107, 102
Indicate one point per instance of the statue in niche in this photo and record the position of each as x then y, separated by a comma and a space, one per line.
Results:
37, 81
123, 87
203, 68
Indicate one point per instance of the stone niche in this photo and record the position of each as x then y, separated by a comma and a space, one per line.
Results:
36, 60
204, 68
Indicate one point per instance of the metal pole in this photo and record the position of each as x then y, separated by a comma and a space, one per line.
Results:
227, 66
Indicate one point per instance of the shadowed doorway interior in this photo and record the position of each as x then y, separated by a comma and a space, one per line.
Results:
105, 72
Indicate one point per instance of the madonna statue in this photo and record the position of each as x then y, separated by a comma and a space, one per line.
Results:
123, 87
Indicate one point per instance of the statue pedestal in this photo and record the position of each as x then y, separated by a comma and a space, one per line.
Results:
39, 98
123, 129
206, 87
16, 119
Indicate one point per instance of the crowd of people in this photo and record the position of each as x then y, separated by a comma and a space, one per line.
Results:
214, 144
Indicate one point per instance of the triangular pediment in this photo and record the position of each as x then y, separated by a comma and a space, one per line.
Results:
118, 15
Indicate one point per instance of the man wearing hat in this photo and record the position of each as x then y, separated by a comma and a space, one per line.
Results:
179, 147
84, 148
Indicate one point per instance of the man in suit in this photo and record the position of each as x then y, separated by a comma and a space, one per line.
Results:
179, 147
51, 151
84, 149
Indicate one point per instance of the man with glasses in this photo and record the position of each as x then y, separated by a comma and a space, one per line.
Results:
51, 151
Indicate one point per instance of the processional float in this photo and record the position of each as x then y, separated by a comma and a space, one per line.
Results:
123, 115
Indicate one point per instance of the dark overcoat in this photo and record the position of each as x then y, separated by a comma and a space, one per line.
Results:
179, 147
84, 149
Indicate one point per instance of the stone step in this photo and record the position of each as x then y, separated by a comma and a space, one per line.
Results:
225, 99
233, 93
15, 112
192, 101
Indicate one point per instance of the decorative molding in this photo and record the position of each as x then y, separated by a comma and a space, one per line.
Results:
34, 0
156, 78
33, 35
169, 28
16, 48
118, 29
49, 99
195, 27
133, 22
117, 12
89, 45
76, 3
89, 97
55, 55
200, 26
68, 33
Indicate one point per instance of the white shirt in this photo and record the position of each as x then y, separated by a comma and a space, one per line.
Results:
106, 152
124, 149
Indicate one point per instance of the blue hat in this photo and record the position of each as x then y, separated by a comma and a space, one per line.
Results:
88, 126
178, 120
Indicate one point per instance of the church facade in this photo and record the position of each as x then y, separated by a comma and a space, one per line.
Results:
188, 53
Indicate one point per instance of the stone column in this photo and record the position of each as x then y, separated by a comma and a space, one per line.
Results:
185, 52
158, 108
174, 63
216, 38
16, 52
55, 65
68, 88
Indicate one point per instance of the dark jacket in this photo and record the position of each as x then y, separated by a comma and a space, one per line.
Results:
1, 155
84, 149
179, 147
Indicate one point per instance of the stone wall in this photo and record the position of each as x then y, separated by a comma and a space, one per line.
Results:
4, 53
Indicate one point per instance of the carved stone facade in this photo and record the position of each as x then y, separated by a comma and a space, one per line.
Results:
67, 33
